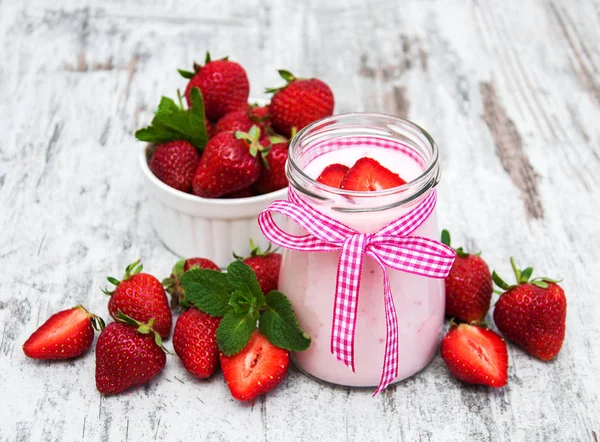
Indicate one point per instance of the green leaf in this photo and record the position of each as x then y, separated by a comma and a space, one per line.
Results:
279, 324
186, 74
446, 237
499, 281
241, 302
241, 277
172, 123
234, 331
526, 274
541, 284
286, 75
178, 267
209, 290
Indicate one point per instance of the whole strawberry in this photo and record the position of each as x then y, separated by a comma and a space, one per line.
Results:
174, 163
468, 286
172, 284
235, 121
128, 353
260, 116
66, 334
224, 86
229, 163
265, 265
272, 173
194, 341
475, 355
299, 103
532, 313
142, 297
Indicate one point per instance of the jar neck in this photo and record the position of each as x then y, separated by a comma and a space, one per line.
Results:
363, 129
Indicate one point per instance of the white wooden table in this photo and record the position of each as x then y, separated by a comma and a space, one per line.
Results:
510, 90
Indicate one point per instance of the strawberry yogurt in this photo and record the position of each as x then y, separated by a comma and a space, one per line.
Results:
309, 278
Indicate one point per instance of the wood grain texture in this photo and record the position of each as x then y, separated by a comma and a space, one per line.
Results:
490, 80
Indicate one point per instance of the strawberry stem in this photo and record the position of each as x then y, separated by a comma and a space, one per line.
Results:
142, 328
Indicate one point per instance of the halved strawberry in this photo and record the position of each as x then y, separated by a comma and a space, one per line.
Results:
476, 355
255, 370
333, 175
368, 174
64, 335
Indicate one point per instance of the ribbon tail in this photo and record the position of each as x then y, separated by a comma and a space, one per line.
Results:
345, 306
390, 359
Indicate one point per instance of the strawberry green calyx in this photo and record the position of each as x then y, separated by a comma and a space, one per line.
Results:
142, 328
251, 137
97, 322
132, 269
287, 76
523, 277
172, 285
446, 240
255, 250
188, 75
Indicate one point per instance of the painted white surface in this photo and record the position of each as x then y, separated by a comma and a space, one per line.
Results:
499, 85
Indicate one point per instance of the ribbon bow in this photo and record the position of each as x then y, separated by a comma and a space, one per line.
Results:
389, 247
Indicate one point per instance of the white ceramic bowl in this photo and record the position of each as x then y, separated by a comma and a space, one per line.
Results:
211, 228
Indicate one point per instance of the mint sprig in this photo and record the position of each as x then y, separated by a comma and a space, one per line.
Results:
280, 325
209, 290
237, 297
172, 122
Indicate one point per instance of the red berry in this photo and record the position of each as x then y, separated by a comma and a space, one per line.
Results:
272, 177
468, 286
532, 314
299, 103
235, 121
476, 355
141, 296
224, 86
226, 166
368, 175
172, 284
66, 334
125, 358
266, 267
195, 342
333, 175
174, 163
255, 370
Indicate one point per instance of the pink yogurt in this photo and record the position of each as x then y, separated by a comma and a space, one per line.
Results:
308, 279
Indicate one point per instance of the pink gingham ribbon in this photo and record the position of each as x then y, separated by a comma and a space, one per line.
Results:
392, 247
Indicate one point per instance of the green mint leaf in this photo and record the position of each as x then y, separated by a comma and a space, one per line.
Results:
279, 324
241, 277
171, 123
234, 331
209, 290
242, 302
186, 74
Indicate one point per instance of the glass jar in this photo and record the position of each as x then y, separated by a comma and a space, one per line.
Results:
309, 278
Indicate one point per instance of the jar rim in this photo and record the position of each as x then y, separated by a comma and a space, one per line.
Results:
409, 191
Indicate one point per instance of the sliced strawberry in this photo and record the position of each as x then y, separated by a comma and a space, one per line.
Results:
64, 335
255, 370
476, 355
368, 174
333, 175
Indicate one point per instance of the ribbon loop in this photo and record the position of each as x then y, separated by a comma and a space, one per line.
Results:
392, 247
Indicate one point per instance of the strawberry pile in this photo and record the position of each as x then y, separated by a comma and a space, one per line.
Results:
530, 314
218, 326
221, 146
